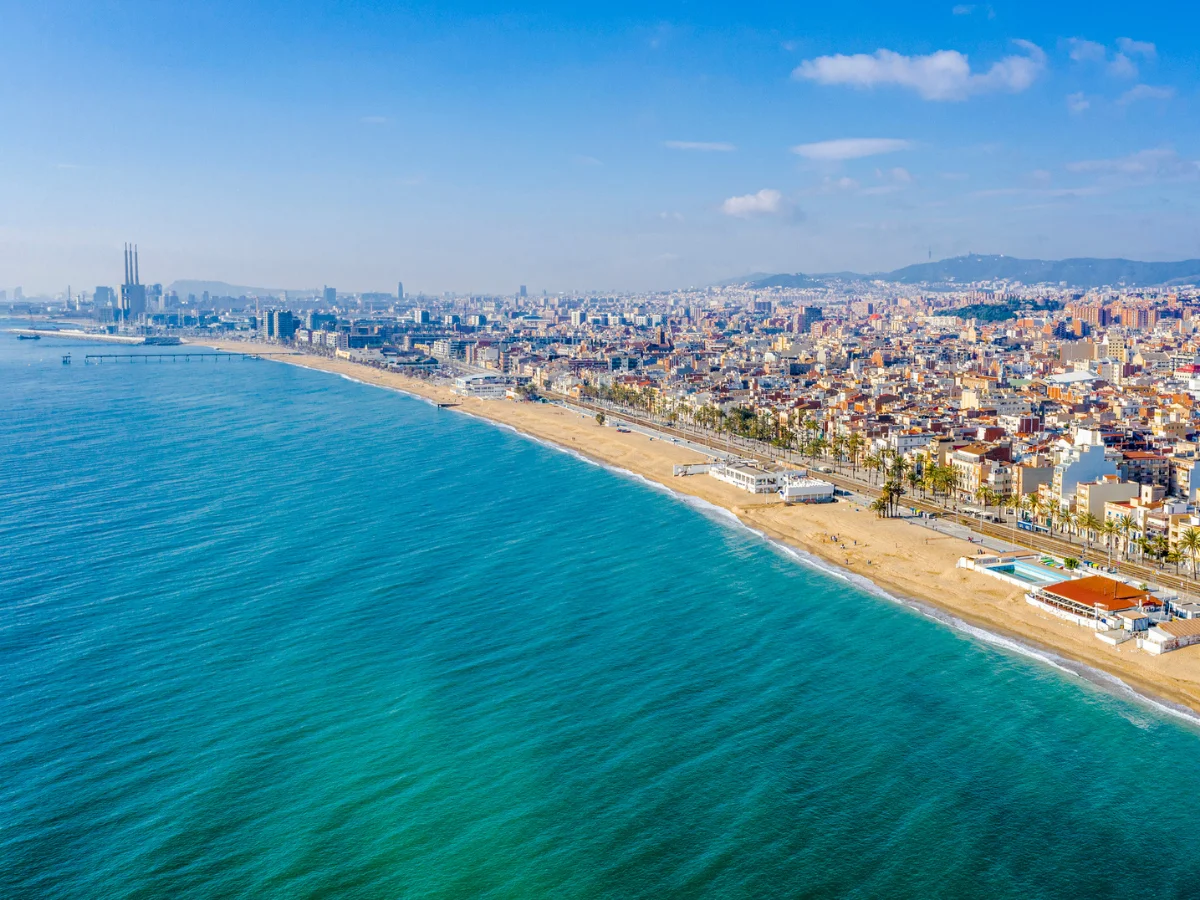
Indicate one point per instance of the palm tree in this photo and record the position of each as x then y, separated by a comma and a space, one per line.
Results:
855, 446
879, 506
1124, 527
1089, 525
914, 479
1110, 529
1035, 506
1174, 557
873, 463
1189, 544
1067, 519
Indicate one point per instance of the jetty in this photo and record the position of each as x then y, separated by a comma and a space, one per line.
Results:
197, 355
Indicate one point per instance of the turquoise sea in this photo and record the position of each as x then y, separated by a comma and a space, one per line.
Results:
270, 633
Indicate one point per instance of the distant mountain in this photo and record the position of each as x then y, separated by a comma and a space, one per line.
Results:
1081, 273
224, 289
1084, 272
799, 280
741, 279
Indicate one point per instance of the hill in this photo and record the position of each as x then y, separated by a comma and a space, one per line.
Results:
224, 289
1083, 272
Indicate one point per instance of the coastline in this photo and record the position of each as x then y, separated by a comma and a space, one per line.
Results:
900, 559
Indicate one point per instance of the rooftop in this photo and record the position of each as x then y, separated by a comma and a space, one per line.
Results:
1098, 591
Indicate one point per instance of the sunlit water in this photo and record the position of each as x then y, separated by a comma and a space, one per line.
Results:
270, 633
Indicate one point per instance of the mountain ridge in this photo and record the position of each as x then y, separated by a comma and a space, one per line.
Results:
1080, 272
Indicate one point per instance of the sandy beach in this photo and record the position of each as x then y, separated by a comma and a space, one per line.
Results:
902, 557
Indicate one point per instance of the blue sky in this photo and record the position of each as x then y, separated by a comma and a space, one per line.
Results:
601, 146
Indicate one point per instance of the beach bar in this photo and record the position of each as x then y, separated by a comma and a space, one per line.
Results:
1094, 601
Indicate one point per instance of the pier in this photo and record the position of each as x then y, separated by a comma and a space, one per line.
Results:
98, 358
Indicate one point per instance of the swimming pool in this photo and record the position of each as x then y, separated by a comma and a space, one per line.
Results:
1030, 573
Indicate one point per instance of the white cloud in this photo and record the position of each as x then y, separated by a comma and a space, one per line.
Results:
1145, 165
1086, 51
845, 183
901, 175
943, 75
581, 160
1122, 67
850, 148
1146, 92
966, 9
709, 146
1137, 48
767, 202
1078, 102
373, 120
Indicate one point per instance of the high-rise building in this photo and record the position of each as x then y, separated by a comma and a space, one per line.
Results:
524, 293
421, 316
399, 290
283, 325
330, 296
133, 292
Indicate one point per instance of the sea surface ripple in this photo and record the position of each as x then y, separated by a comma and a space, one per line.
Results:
268, 633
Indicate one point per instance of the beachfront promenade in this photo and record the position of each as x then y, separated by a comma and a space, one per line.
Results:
843, 477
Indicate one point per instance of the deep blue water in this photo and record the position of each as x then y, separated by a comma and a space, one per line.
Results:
265, 632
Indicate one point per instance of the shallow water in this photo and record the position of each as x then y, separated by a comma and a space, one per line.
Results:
269, 633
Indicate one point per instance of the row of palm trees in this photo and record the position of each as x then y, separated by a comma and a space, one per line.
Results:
898, 476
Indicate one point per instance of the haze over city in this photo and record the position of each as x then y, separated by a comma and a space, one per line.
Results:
595, 147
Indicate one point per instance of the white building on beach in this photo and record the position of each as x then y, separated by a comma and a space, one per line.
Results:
747, 477
484, 387
806, 490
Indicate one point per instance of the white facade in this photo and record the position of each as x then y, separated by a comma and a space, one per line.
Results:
484, 387
806, 490
748, 478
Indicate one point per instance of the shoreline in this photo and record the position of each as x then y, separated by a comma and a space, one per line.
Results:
917, 570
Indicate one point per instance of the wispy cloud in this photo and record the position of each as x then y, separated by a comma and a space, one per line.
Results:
702, 146
1123, 67
966, 9
1078, 102
373, 120
1158, 164
1121, 64
943, 75
581, 160
1146, 92
1137, 48
850, 148
1081, 50
767, 202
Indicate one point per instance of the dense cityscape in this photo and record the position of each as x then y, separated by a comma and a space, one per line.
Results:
1072, 411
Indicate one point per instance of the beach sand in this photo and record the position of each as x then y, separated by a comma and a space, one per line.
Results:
902, 557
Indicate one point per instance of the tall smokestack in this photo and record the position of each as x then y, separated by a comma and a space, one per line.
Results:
126, 264
136, 277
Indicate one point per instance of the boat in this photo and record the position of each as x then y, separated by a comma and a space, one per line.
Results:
29, 337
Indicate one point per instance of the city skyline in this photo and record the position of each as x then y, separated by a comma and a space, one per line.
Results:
620, 149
